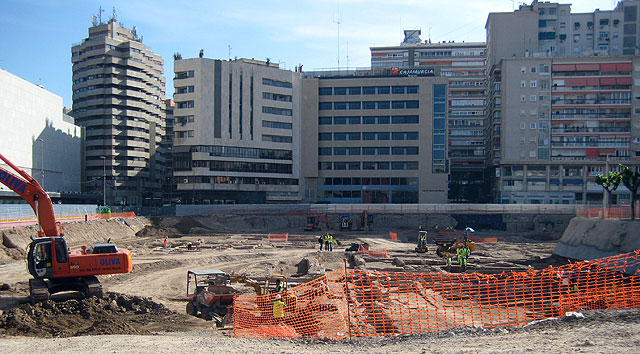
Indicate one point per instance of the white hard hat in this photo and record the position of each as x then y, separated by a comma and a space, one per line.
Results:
278, 296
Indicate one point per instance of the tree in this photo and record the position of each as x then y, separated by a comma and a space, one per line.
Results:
610, 183
177, 56
631, 180
201, 54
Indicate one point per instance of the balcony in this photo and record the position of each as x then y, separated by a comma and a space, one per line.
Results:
589, 101
589, 130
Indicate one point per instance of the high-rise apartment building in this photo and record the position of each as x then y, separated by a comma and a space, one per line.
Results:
560, 107
168, 187
374, 136
237, 129
464, 65
118, 97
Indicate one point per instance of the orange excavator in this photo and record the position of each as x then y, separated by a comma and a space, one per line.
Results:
53, 266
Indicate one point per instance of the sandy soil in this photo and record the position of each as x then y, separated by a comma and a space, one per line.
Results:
159, 276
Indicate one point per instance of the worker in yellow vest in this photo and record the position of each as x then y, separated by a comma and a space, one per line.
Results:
278, 309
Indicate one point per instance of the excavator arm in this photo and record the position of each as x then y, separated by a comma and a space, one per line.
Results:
248, 281
31, 191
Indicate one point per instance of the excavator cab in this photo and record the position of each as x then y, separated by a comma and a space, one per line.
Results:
41, 261
312, 224
275, 283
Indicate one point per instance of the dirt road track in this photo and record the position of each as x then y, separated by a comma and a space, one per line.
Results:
616, 331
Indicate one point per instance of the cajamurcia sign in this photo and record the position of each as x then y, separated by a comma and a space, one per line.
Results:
412, 72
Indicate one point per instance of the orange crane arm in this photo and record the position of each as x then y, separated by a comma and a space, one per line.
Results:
31, 191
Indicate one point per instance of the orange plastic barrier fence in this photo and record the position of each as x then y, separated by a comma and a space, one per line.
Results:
393, 235
365, 250
483, 239
278, 237
128, 214
623, 212
352, 302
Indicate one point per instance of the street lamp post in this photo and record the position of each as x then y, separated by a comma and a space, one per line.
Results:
42, 161
104, 180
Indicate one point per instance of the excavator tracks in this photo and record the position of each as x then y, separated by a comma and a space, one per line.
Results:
94, 288
38, 290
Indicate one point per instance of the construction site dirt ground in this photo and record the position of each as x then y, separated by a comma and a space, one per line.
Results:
144, 311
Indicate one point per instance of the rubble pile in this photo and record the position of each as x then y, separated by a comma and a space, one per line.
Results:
112, 314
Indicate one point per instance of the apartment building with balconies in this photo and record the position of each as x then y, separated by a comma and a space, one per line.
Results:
118, 97
560, 108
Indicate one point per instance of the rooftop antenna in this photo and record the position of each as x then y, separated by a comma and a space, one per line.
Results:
347, 55
100, 11
229, 48
429, 34
113, 14
338, 21
513, 5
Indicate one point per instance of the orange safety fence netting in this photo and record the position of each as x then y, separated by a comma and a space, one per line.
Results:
365, 250
366, 303
393, 235
278, 237
128, 214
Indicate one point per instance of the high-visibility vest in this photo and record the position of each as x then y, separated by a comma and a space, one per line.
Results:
330, 239
278, 309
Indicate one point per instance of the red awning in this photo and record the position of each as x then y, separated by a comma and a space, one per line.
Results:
607, 81
607, 68
593, 82
624, 81
575, 82
587, 67
592, 152
624, 67
563, 67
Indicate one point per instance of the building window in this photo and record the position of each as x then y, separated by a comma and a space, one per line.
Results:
324, 120
523, 69
324, 106
523, 83
276, 83
325, 91
277, 111
533, 83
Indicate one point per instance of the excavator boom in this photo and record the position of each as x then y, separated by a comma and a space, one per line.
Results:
31, 191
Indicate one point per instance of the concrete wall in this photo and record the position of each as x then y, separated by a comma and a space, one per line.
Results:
587, 239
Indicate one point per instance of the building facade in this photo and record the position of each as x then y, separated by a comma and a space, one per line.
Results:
561, 105
237, 129
374, 137
168, 187
39, 138
464, 65
118, 97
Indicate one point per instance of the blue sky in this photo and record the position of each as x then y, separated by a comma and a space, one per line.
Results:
36, 35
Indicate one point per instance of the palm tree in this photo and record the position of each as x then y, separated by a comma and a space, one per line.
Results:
177, 56
610, 183
631, 180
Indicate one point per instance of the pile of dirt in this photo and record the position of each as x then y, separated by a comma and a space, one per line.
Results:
112, 314
158, 232
9, 251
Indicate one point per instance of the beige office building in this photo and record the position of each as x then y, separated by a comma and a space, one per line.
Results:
464, 64
374, 137
118, 97
236, 132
